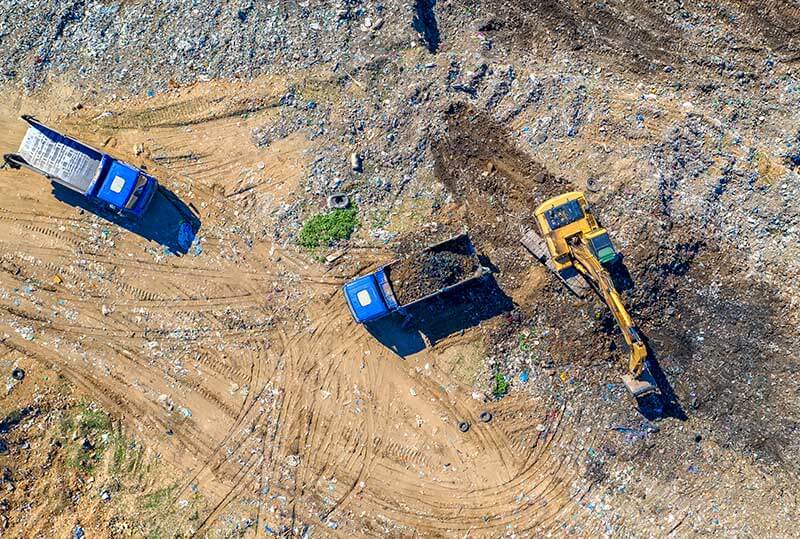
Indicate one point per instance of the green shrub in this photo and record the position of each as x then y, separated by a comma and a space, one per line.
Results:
326, 228
500, 385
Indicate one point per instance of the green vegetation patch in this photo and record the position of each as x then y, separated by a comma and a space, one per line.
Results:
500, 385
326, 228
159, 498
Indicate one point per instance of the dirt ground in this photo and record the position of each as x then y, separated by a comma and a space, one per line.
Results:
227, 392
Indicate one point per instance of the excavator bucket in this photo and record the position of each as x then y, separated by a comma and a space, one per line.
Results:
642, 386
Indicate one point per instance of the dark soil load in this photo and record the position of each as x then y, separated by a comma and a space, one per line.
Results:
429, 271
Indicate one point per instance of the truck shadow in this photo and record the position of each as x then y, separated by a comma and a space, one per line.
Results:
441, 316
168, 221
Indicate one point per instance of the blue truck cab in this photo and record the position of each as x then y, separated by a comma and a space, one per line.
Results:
373, 296
124, 188
370, 297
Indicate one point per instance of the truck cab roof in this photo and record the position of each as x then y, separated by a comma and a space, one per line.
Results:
119, 183
365, 299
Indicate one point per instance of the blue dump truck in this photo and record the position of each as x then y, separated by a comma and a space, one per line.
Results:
124, 188
414, 279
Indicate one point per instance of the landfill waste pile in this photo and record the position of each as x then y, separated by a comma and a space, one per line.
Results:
195, 371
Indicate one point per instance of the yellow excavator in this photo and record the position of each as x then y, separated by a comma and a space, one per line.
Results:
576, 248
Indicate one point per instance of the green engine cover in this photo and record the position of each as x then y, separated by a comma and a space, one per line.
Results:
603, 249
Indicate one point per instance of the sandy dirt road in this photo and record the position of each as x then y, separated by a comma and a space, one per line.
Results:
323, 424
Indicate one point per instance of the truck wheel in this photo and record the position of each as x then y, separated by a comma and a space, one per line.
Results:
13, 161
463, 426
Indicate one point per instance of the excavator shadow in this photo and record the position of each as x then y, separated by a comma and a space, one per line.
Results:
665, 405
431, 321
168, 221
620, 275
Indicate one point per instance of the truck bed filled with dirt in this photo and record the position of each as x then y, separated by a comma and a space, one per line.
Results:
433, 269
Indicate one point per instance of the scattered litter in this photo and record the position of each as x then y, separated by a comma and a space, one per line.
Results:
356, 162
27, 333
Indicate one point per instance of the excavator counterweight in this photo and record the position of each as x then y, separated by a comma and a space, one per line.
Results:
577, 244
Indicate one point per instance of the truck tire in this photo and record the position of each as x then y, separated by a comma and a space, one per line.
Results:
13, 160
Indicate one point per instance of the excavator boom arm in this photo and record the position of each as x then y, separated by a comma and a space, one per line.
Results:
586, 263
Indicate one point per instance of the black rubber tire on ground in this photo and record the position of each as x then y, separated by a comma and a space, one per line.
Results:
485, 416
18, 374
463, 426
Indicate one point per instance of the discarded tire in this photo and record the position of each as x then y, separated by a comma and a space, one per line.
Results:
463, 426
18, 374
485, 416
338, 201
592, 185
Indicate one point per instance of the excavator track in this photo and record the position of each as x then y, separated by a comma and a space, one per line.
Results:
573, 281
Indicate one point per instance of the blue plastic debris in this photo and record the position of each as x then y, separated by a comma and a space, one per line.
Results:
151, 93
78, 533
523, 377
